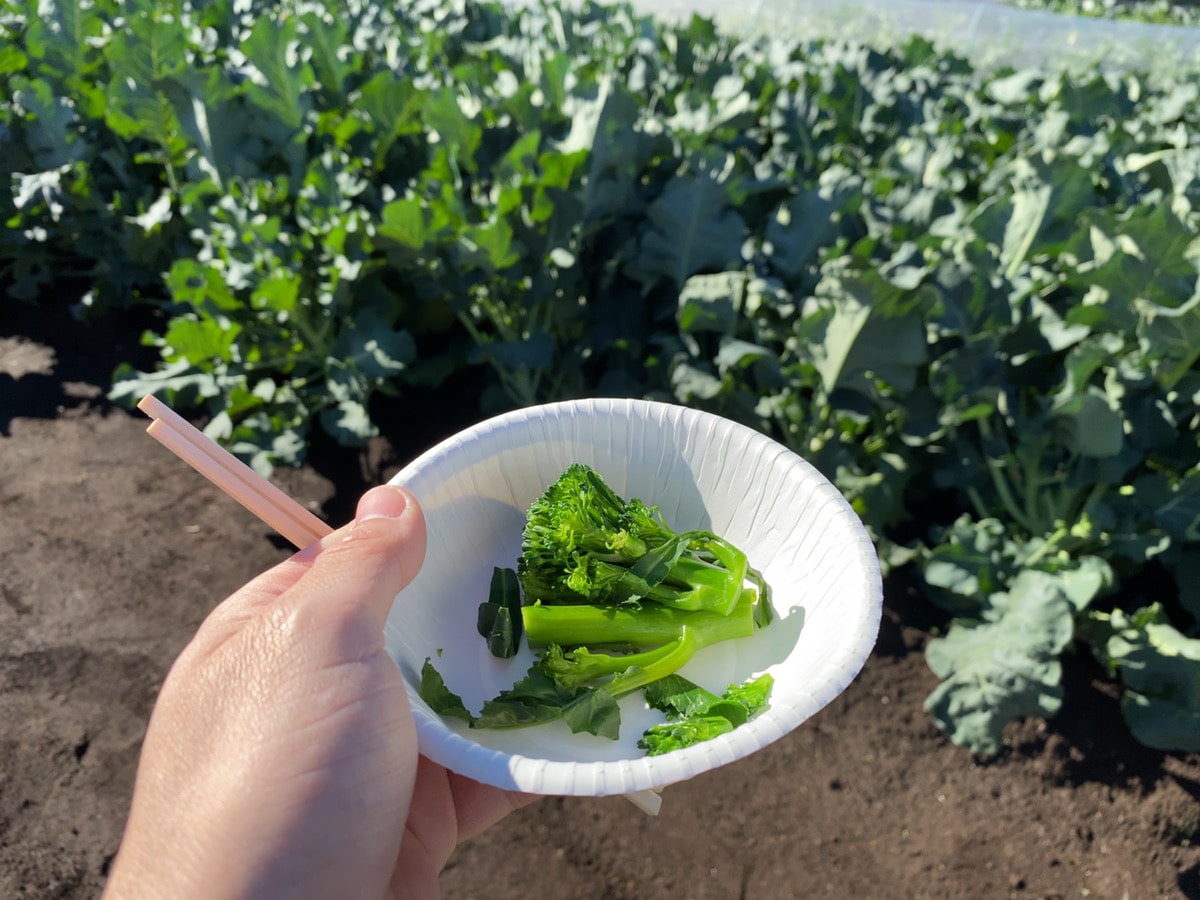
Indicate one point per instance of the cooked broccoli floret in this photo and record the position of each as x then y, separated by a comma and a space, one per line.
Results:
582, 543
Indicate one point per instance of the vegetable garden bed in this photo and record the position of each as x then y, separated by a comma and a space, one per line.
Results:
969, 298
116, 552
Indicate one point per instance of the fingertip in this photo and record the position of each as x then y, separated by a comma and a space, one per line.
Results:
387, 501
390, 512
374, 557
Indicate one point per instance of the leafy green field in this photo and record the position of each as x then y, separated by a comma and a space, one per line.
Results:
970, 299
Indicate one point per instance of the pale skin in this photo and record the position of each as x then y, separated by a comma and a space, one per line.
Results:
281, 757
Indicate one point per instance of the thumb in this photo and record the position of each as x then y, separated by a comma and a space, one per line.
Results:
369, 561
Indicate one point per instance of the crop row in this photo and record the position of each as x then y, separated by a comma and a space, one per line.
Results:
969, 298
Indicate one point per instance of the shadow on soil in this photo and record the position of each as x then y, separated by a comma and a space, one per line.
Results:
83, 355
79, 367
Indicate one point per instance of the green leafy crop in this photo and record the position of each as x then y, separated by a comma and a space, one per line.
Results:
970, 298
1161, 668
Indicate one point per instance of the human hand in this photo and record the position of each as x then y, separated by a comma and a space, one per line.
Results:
281, 757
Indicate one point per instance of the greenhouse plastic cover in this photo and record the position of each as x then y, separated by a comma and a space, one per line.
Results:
987, 32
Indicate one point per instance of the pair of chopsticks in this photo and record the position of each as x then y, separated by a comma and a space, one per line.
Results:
234, 477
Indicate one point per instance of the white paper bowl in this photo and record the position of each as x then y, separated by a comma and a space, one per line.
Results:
703, 472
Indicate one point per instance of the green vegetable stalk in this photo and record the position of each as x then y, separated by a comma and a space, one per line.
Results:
677, 637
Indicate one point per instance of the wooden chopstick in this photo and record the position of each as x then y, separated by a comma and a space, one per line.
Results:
270, 504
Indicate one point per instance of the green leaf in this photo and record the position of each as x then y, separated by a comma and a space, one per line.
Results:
150, 52
726, 105
213, 122
1085, 579
1160, 668
405, 222
200, 286
440, 698
12, 59
332, 60
810, 221
58, 36
693, 227
677, 696
973, 560
271, 47
535, 699
349, 423
1187, 575
374, 347
393, 105
1174, 506
51, 122
1096, 427
752, 695
1002, 669
660, 739
278, 436
1162, 724
1172, 338
191, 338
491, 245
855, 342
499, 619
698, 714
711, 302
180, 383
849, 317
1029, 209
734, 355
594, 712
691, 384
455, 129
534, 353
279, 292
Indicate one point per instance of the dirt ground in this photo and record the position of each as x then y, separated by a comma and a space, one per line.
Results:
112, 551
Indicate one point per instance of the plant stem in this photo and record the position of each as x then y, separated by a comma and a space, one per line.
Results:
1093, 496
981, 508
1051, 543
1000, 482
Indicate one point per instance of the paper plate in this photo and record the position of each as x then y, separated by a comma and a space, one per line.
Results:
702, 471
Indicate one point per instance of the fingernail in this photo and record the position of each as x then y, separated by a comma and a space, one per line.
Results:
384, 502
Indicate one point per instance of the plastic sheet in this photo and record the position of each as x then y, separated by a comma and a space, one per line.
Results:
989, 33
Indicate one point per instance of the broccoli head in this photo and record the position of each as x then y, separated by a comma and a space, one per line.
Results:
582, 543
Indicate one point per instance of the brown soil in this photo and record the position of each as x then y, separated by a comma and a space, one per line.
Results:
111, 552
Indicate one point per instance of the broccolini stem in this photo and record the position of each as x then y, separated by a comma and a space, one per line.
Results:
581, 667
674, 656
647, 626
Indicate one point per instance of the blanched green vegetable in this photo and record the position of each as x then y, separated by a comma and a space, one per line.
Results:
614, 600
583, 543
700, 715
